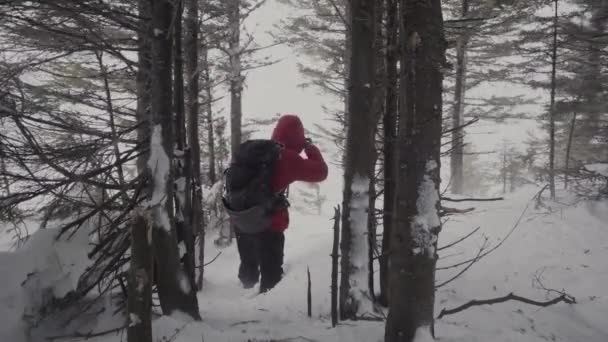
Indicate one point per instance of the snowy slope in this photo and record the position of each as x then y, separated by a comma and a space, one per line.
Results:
566, 244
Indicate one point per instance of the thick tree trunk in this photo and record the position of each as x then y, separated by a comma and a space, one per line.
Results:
174, 290
552, 107
417, 225
568, 149
457, 151
192, 107
390, 136
139, 303
358, 172
184, 170
236, 77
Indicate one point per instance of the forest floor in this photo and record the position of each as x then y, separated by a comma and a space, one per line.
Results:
564, 245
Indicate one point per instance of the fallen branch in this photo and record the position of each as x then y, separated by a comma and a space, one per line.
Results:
449, 199
444, 211
212, 260
475, 302
86, 335
254, 321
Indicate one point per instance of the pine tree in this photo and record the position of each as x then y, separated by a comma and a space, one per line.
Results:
354, 283
417, 225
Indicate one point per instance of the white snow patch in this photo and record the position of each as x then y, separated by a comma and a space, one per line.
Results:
45, 268
180, 192
427, 217
359, 257
159, 165
423, 334
134, 320
182, 248
601, 168
184, 283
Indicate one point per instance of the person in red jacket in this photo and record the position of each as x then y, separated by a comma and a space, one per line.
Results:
262, 253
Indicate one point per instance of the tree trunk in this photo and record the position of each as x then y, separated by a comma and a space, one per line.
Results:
390, 136
552, 107
139, 301
208, 96
417, 225
505, 170
236, 77
192, 91
457, 150
184, 169
6, 184
334, 269
143, 81
358, 172
174, 290
568, 148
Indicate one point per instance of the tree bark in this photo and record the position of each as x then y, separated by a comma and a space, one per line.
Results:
358, 160
208, 96
413, 252
334, 269
552, 107
390, 136
568, 149
192, 25
139, 302
184, 169
143, 81
457, 150
173, 286
236, 77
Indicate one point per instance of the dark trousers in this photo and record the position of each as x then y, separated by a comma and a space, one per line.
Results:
260, 253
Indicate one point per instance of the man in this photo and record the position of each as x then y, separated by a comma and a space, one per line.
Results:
262, 253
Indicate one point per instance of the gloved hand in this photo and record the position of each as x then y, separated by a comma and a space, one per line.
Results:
308, 142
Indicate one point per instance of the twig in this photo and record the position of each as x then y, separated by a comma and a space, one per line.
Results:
212, 260
86, 335
475, 302
449, 199
473, 261
245, 322
521, 216
459, 240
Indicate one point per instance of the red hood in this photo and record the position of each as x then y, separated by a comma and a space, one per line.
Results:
289, 131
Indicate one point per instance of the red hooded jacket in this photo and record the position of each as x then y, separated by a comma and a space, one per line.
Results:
291, 167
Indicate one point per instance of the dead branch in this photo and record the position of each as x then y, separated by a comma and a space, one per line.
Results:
449, 199
212, 260
86, 335
475, 302
445, 211
470, 264
451, 244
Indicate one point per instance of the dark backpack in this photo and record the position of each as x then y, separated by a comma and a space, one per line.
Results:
248, 196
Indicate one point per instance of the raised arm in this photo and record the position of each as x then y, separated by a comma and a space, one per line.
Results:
311, 169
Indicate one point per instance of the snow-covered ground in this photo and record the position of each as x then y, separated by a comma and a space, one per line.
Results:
566, 245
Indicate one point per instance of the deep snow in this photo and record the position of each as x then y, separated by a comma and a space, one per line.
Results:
565, 245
